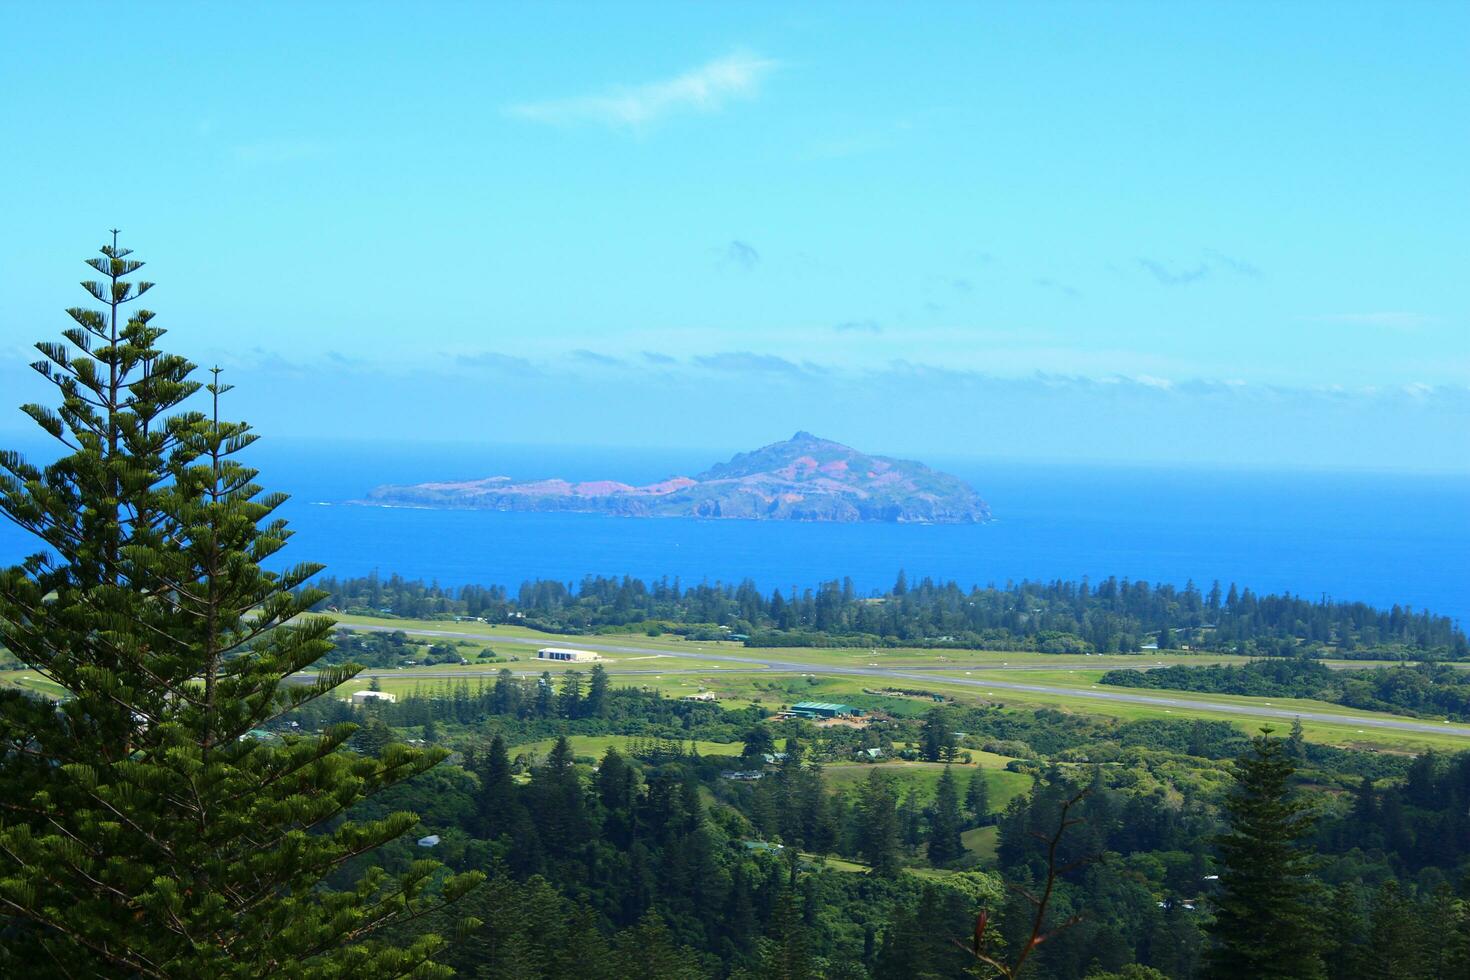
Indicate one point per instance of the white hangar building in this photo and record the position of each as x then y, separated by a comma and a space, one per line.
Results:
574, 656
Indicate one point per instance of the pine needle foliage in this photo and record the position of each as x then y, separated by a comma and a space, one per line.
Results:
143, 830
1267, 917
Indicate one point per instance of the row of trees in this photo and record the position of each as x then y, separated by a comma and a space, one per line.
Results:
1058, 617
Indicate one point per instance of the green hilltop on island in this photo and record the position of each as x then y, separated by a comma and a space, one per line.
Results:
804, 478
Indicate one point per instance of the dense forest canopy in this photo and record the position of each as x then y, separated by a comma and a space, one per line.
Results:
1113, 615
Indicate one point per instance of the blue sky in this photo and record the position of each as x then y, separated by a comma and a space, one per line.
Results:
1135, 232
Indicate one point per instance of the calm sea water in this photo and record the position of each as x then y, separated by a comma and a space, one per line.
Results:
1381, 539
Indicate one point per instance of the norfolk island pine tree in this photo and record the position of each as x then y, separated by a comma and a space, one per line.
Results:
1268, 915
142, 831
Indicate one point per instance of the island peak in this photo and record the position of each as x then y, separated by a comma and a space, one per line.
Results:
804, 478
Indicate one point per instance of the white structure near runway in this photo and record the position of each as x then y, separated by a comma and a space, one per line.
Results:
574, 656
379, 697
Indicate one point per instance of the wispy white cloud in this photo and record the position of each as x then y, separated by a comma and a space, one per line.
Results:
750, 362
1388, 320
704, 89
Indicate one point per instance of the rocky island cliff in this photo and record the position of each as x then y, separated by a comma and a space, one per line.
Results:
801, 479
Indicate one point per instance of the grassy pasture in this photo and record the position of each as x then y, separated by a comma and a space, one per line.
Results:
1329, 733
922, 778
27, 680
740, 686
980, 841
596, 746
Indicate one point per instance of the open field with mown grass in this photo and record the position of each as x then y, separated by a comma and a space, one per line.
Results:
518, 638
674, 684
27, 680
596, 746
779, 676
1235, 709
1091, 679
1329, 733
922, 778
981, 841
774, 688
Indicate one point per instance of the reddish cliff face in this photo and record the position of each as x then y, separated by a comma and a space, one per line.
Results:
801, 479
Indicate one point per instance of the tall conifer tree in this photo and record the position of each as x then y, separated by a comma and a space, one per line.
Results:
495, 798
944, 822
879, 827
1266, 919
144, 831
977, 798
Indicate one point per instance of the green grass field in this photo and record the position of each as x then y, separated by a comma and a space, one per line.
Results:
596, 746
773, 689
405, 682
1090, 679
897, 658
28, 681
742, 685
1049, 669
1330, 733
923, 777
980, 841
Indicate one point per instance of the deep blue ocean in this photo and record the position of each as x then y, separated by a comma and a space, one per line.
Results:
1378, 538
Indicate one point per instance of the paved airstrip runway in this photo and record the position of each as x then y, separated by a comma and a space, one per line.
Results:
926, 674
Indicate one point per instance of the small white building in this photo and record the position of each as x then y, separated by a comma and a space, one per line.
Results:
573, 656
372, 697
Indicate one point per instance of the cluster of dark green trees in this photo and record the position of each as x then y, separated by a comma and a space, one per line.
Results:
1264, 885
396, 649
1429, 689
1057, 617
529, 709
877, 824
654, 851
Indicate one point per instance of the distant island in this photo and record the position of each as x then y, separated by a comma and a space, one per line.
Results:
803, 478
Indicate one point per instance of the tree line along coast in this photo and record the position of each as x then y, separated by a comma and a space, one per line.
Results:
1109, 616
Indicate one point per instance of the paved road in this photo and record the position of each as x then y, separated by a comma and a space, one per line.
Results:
927, 674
